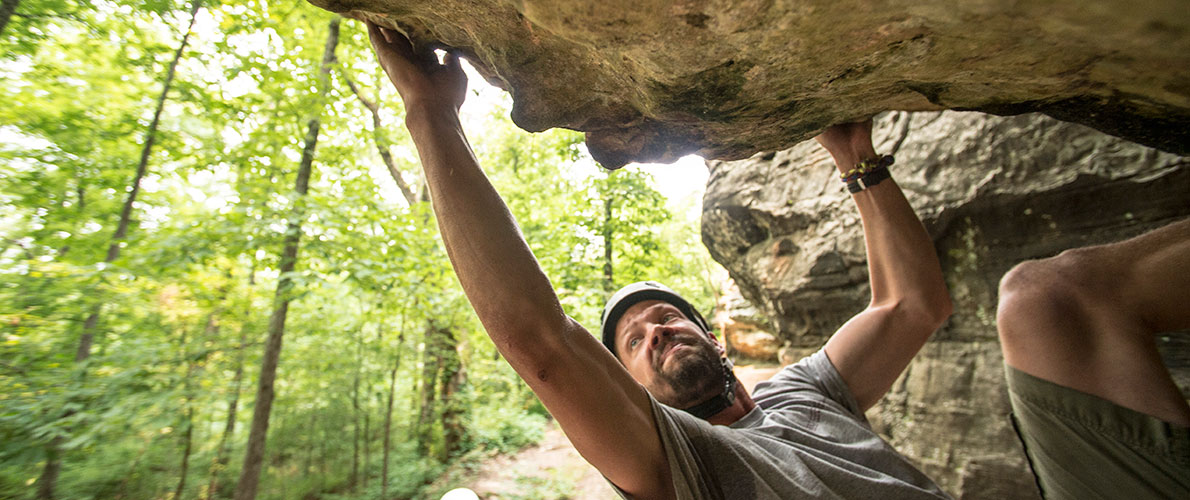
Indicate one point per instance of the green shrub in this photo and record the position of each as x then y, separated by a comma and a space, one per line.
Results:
504, 429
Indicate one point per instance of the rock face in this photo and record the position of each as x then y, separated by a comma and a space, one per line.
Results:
651, 80
992, 192
745, 329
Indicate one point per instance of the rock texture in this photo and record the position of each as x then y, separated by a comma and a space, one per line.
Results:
744, 328
651, 80
992, 192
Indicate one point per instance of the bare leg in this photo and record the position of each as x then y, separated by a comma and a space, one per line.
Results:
1087, 319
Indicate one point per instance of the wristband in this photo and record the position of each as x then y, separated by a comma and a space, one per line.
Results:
867, 166
867, 173
868, 180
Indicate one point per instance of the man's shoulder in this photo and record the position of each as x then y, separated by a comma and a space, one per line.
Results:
804, 375
813, 381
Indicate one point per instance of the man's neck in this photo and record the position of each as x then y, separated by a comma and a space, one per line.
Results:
742, 405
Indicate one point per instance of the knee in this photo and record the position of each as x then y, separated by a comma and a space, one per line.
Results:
1037, 292
1031, 278
1072, 272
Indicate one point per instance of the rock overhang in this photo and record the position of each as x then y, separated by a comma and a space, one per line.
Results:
651, 81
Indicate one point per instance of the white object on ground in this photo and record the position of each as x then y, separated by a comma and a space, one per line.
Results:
460, 494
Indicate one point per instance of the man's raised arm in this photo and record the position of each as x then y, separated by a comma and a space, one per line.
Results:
909, 296
604, 412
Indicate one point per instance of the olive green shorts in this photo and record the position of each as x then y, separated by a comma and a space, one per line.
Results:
1083, 447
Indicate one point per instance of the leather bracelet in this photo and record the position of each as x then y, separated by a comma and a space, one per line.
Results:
868, 180
867, 166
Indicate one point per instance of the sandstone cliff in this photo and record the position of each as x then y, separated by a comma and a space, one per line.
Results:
651, 80
992, 191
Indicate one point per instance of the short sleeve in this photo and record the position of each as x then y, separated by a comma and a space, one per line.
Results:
805, 439
814, 378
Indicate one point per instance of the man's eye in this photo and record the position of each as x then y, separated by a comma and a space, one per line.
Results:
669, 317
632, 343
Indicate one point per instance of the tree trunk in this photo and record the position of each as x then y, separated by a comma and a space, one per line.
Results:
122, 491
7, 9
431, 367
367, 434
382, 146
311, 440
254, 455
354, 430
440, 368
188, 439
113, 249
229, 428
49, 475
388, 425
356, 412
219, 464
609, 283
188, 410
453, 377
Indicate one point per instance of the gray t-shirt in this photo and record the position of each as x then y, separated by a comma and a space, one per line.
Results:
806, 438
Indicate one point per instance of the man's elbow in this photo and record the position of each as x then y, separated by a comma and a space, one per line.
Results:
926, 311
520, 319
932, 310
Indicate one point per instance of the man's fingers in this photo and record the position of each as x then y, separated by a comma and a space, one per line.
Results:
416, 74
379, 41
390, 41
374, 30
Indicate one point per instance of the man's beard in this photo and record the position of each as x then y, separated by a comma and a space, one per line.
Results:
694, 379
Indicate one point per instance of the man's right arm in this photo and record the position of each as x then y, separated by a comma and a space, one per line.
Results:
909, 296
604, 412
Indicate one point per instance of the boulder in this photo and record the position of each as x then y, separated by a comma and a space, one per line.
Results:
651, 80
745, 329
992, 191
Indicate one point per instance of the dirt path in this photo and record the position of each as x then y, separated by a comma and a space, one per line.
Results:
553, 469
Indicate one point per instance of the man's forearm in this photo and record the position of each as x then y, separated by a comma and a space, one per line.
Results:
909, 296
502, 279
902, 263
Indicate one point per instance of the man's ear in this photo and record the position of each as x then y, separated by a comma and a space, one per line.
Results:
715, 340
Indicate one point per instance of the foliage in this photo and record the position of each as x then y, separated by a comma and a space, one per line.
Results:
183, 312
552, 486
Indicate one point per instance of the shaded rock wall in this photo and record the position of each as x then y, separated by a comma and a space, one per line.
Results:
651, 80
992, 192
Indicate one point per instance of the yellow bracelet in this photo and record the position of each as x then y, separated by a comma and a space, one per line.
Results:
866, 167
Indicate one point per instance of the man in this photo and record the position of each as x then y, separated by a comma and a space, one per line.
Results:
803, 434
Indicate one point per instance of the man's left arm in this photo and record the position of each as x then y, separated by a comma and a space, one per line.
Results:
909, 297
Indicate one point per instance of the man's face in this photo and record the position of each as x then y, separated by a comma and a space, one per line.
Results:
669, 354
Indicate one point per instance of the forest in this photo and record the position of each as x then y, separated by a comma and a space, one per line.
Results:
220, 276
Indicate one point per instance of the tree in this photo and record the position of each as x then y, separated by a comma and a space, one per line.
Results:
378, 338
7, 9
113, 249
49, 476
265, 392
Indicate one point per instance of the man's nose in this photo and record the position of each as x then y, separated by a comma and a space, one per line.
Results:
658, 332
